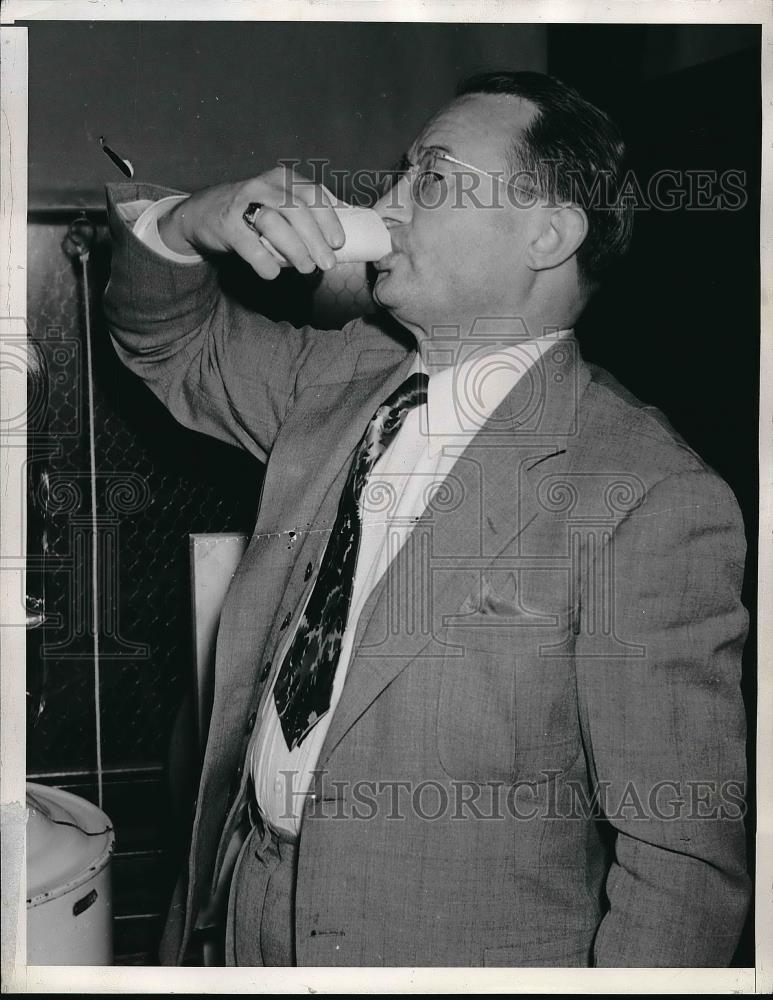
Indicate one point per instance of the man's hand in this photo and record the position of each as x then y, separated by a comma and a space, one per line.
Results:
297, 218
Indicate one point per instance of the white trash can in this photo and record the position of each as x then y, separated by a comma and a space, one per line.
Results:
69, 894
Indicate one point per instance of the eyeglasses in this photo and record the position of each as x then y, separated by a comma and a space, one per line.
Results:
427, 182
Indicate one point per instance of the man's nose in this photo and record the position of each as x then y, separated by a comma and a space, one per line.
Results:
395, 206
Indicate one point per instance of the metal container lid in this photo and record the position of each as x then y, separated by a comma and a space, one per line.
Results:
68, 841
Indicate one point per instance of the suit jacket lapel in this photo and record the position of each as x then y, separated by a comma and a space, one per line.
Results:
491, 497
320, 451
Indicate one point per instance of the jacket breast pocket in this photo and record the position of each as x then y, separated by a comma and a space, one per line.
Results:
507, 706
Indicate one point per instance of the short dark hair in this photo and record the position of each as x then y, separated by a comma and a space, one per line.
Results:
576, 154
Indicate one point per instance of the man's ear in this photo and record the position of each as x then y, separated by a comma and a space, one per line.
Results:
564, 229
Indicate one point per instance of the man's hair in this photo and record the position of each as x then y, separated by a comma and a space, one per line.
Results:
575, 153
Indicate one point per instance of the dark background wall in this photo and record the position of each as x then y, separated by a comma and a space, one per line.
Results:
193, 104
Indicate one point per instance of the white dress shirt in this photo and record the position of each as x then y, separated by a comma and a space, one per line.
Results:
423, 452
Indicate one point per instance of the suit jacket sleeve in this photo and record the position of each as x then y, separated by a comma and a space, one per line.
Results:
219, 368
664, 732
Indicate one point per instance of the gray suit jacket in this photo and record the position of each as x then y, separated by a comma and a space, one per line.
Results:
564, 623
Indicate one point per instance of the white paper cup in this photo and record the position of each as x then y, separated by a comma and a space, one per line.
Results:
367, 238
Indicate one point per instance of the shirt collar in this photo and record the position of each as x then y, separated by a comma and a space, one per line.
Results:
462, 397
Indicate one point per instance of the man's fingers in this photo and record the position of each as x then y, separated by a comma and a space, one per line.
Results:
286, 237
320, 202
297, 218
298, 191
304, 222
249, 248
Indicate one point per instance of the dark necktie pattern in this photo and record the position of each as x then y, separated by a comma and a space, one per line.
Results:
304, 683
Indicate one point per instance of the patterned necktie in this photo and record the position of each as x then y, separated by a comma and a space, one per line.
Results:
304, 683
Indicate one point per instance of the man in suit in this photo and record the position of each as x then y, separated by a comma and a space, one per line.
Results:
477, 675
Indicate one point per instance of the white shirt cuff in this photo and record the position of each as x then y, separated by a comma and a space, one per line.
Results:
145, 215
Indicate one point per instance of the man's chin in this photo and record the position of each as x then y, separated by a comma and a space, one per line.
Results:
396, 299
